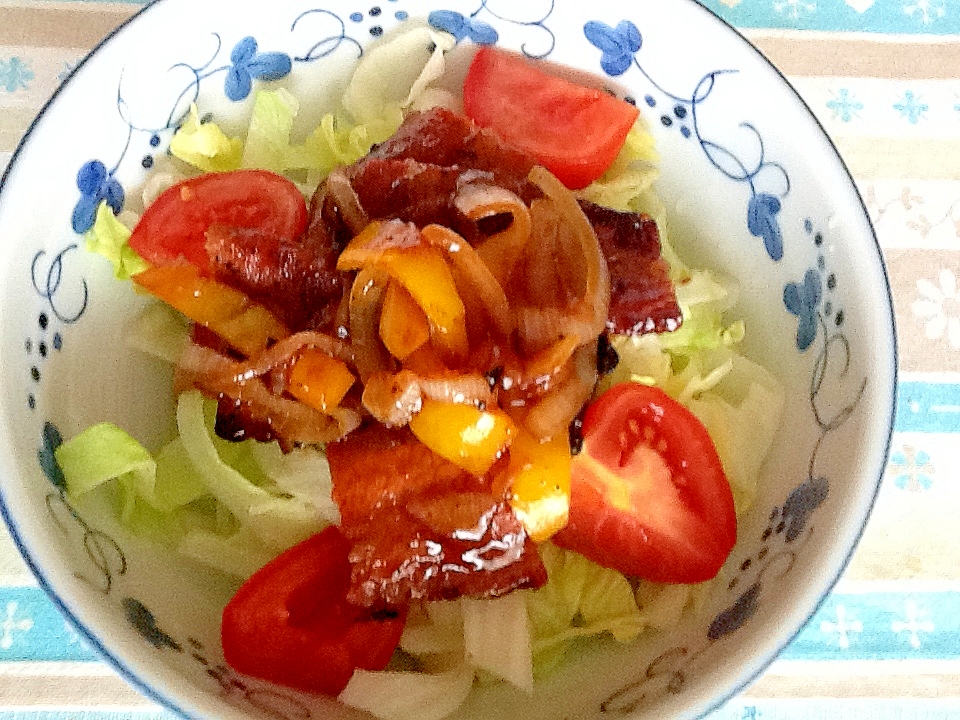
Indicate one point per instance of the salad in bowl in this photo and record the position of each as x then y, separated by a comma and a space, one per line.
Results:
450, 393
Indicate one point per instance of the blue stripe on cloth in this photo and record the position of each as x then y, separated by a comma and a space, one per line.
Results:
929, 17
848, 626
831, 709
928, 407
737, 709
84, 715
882, 626
32, 629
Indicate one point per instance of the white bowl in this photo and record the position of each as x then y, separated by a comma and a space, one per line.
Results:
745, 169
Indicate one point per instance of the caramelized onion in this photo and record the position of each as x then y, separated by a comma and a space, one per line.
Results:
394, 398
594, 305
285, 352
292, 421
552, 415
340, 190
500, 252
366, 299
473, 277
538, 328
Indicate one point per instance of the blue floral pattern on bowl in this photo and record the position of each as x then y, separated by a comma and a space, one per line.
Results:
758, 180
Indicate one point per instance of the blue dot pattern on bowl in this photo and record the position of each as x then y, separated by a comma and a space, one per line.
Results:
818, 317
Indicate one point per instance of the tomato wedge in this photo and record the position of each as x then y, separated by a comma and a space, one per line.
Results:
175, 225
648, 493
291, 624
574, 131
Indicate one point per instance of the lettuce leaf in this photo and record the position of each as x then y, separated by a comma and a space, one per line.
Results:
239, 554
579, 600
159, 330
101, 453
205, 145
408, 695
108, 237
396, 73
279, 522
497, 638
267, 145
626, 184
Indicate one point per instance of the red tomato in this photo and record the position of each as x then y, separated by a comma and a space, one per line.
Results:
176, 223
648, 493
291, 624
574, 131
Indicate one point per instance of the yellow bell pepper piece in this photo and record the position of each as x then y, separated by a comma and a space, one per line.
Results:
427, 277
469, 437
404, 327
421, 270
319, 380
247, 326
539, 476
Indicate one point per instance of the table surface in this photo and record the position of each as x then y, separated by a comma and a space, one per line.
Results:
883, 76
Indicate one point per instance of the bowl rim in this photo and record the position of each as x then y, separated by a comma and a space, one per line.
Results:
761, 662
89, 636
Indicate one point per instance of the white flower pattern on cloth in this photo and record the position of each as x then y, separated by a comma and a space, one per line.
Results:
939, 308
914, 624
844, 628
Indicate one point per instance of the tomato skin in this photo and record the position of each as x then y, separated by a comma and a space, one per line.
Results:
648, 493
176, 223
290, 622
574, 131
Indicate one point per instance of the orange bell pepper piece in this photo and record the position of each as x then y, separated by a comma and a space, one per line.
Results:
404, 328
319, 380
247, 326
539, 478
471, 438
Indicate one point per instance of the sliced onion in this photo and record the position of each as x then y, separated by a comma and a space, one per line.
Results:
340, 190
538, 328
286, 350
595, 302
394, 398
463, 388
294, 422
499, 252
549, 367
366, 301
552, 415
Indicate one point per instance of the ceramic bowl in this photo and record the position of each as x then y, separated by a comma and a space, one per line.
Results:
746, 171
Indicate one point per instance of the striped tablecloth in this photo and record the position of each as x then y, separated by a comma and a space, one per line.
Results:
884, 78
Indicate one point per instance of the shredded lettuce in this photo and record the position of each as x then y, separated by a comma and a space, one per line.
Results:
408, 695
160, 331
497, 638
230, 505
101, 453
627, 182
580, 599
389, 78
205, 145
280, 522
108, 237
